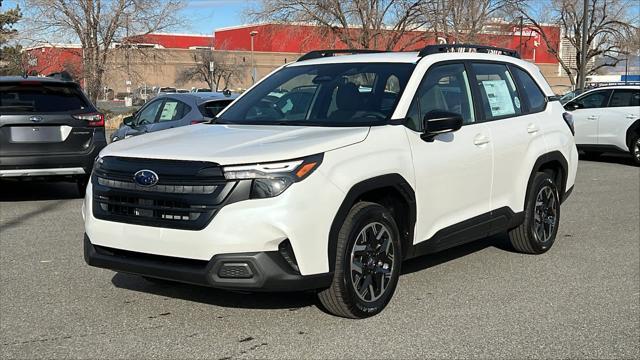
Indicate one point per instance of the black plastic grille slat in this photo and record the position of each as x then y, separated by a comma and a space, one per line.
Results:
187, 196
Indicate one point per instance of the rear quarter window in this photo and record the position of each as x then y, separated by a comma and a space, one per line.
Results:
531, 92
41, 98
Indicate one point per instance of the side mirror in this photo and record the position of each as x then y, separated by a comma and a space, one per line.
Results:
570, 106
129, 120
438, 122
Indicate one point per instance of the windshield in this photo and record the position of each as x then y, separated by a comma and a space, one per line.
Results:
347, 94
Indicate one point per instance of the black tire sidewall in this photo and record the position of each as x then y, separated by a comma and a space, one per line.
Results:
632, 144
367, 215
541, 180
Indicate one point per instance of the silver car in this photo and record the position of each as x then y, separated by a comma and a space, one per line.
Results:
173, 110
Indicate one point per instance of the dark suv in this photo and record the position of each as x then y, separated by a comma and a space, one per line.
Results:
48, 129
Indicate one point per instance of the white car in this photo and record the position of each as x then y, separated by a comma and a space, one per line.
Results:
608, 119
375, 159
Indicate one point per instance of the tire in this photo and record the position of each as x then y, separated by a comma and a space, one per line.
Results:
380, 269
527, 237
634, 149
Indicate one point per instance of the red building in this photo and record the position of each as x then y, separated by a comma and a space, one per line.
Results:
304, 38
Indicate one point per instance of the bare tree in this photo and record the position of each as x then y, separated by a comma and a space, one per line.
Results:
368, 24
225, 69
608, 23
97, 25
461, 21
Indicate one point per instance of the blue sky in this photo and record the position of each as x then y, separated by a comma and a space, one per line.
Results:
202, 16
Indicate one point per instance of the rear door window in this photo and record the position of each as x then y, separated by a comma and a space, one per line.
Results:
498, 92
173, 110
41, 98
625, 98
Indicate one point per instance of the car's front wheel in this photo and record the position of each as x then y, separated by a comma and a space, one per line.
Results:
367, 265
538, 232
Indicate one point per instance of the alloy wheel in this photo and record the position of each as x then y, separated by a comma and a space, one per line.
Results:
372, 259
545, 214
636, 149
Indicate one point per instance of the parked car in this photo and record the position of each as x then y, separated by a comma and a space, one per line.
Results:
48, 130
394, 155
607, 119
172, 110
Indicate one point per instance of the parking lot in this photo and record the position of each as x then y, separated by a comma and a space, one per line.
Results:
580, 300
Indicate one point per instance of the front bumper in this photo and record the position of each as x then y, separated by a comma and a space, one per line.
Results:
256, 271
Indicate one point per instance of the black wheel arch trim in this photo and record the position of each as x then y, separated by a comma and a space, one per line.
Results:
634, 129
394, 180
554, 156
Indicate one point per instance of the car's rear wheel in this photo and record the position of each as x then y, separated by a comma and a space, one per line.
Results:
538, 232
634, 149
367, 265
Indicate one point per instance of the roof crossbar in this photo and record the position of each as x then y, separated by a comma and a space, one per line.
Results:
316, 54
445, 48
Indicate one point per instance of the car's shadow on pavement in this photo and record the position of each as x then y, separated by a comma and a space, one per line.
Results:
37, 190
288, 300
218, 297
612, 158
428, 261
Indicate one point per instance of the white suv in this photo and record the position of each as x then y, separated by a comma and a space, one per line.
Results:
364, 161
608, 119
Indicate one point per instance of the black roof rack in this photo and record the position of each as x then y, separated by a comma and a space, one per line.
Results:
444, 48
316, 54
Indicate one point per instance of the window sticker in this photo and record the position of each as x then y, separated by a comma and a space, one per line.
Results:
516, 100
499, 97
168, 111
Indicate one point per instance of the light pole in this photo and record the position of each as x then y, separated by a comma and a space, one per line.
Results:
253, 62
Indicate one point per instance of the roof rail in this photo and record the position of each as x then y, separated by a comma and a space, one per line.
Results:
316, 54
444, 48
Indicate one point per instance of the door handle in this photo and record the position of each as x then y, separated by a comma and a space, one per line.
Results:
532, 129
481, 140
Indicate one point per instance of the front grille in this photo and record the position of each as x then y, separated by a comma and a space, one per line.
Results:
174, 189
187, 196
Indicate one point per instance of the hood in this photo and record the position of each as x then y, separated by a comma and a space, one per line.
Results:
236, 144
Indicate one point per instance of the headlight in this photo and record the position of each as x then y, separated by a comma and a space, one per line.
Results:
271, 179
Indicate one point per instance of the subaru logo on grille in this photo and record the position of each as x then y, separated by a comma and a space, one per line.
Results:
145, 178
35, 119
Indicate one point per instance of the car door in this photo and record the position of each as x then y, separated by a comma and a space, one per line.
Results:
169, 115
453, 171
587, 110
514, 130
622, 111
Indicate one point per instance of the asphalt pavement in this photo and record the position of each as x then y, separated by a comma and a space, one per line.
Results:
579, 300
